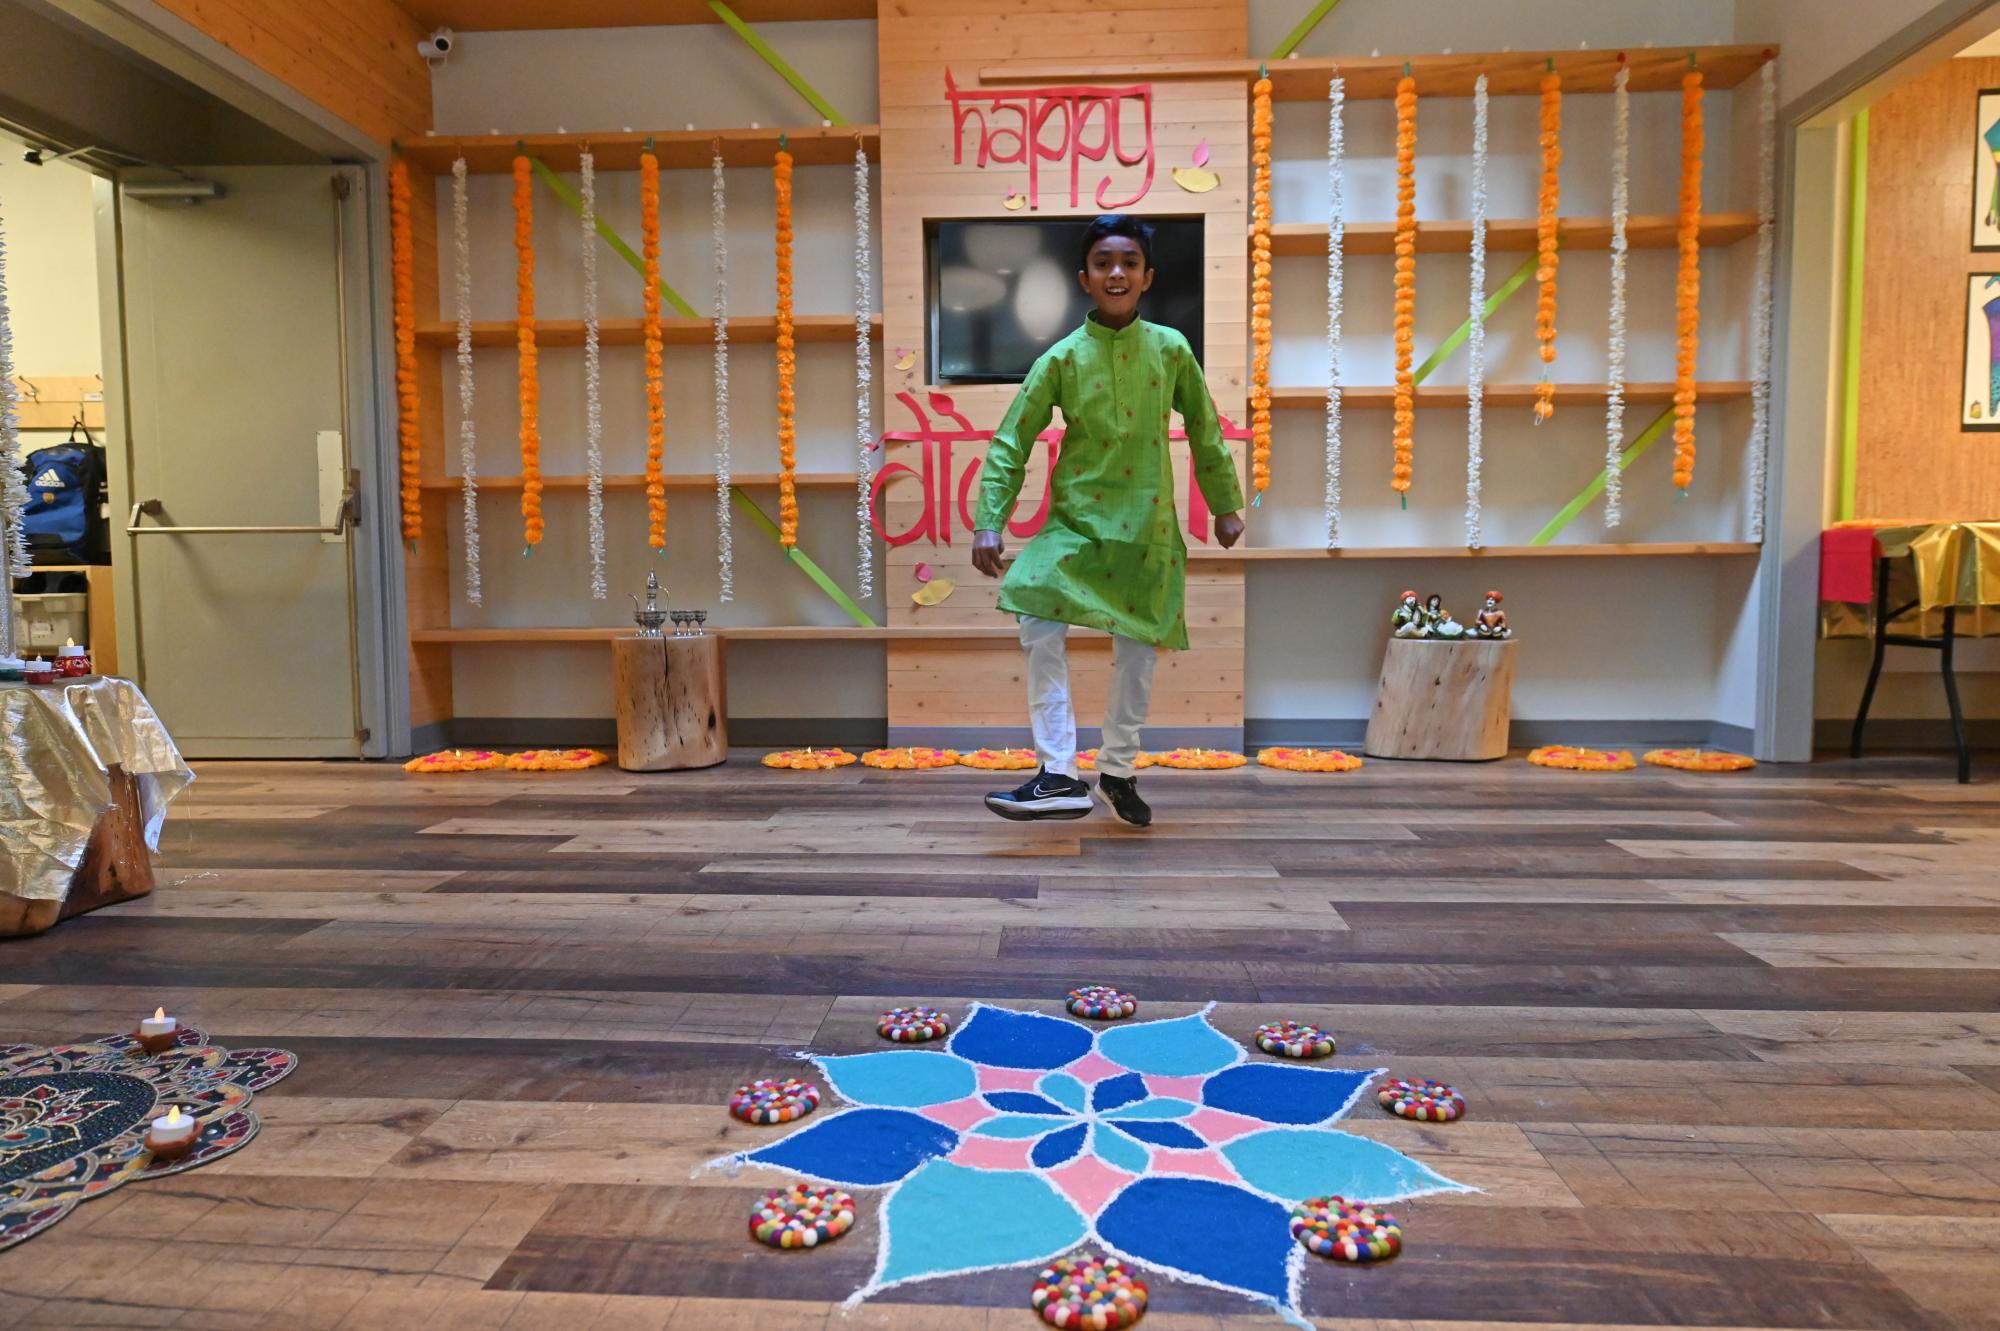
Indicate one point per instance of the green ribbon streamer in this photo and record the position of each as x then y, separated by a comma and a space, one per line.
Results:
1306, 25
612, 238
1493, 302
805, 563
1646, 439
775, 61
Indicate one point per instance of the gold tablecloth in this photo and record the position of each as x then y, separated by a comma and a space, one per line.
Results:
1935, 564
57, 746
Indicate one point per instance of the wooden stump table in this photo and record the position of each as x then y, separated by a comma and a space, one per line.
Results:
673, 706
1443, 698
116, 867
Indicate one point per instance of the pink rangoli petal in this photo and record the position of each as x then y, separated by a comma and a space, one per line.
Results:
1198, 1164
1092, 1068
1088, 1182
1218, 1126
960, 1114
1176, 1088
1009, 1079
992, 1153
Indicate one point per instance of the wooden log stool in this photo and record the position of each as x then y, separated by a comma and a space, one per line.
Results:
673, 703
1443, 698
116, 867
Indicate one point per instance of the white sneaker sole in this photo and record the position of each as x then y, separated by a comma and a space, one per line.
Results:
1051, 806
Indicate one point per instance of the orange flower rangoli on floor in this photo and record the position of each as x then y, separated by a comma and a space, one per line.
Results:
1571, 758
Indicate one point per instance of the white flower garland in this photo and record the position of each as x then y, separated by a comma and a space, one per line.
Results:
1760, 373
1621, 211
1336, 281
1475, 342
593, 406
864, 373
724, 540
14, 561
468, 432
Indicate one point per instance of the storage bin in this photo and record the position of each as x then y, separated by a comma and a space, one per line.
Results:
45, 621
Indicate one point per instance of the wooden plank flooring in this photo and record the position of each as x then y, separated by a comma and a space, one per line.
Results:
1732, 1044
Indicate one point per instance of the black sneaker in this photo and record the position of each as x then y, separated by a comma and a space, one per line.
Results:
1122, 794
1047, 796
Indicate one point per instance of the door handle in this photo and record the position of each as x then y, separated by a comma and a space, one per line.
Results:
347, 518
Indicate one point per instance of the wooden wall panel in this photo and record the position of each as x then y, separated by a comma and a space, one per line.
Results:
980, 683
1914, 462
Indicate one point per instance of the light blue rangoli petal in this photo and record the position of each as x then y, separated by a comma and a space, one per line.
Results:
949, 1218
1295, 1163
1177, 1135
862, 1147
1115, 1091
1160, 1108
1279, 1094
1003, 1038
1216, 1231
1184, 1047
1058, 1148
901, 1078
1064, 1089
1019, 1125
1116, 1149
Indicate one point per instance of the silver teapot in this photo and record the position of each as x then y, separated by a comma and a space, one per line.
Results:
652, 615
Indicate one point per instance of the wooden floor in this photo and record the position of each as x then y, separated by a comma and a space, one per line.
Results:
1732, 1044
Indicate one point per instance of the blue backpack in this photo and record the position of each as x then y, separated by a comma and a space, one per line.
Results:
65, 494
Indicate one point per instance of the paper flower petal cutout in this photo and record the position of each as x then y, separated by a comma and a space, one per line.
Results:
1216, 1231
948, 1218
1014, 203
1296, 1163
906, 360
859, 1147
1181, 1047
1283, 1094
1196, 179
1001, 1038
902, 1078
923, 572
1201, 153
934, 592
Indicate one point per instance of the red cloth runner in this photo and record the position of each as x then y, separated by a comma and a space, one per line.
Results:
1847, 564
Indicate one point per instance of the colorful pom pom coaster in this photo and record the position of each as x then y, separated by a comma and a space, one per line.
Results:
802, 1216
1101, 1002
1293, 1039
771, 1101
912, 1025
1346, 1231
1093, 1293
1421, 1099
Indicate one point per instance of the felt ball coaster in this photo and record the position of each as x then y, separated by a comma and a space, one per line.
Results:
1293, 1039
1100, 1002
1421, 1099
1094, 1293
774, 1101
912, 1025
1346, 1231
802, 1216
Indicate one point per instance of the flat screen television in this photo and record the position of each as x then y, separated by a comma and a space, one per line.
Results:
1001, 292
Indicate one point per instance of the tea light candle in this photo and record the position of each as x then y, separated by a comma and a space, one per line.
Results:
159, 1024
39, 672
172, 1133
72, 660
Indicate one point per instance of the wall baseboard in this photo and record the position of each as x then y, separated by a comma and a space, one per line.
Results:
1904, 732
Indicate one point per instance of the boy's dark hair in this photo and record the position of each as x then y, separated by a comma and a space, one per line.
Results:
1116, 224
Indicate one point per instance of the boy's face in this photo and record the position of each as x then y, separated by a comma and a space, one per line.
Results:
1115, 274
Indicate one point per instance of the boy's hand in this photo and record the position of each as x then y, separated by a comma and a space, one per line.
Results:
987, 547
1228, 531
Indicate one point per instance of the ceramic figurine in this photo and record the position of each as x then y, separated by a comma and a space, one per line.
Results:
1492, 620
1408, 619
1438, 620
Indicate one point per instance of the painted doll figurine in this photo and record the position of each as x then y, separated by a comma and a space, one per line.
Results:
1492, 620
1408, 619
1438, 620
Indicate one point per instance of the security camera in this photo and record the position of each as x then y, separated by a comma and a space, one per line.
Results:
437, 46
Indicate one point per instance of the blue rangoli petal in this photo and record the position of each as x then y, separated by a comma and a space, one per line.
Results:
1215, 1231
1183, 1047
1024, 1102
949, 1218
1161, 1108
1113, 1092
1064, 1089
1159, 1133
901, 1078
1058, 1147
1003, 1038
1296, 1162
1018, 1125
1118, 1150
863, 1147
1278, 1094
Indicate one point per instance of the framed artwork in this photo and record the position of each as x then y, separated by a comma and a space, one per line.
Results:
1986, 171
1979, 398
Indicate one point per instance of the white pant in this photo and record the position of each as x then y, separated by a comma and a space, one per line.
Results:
1053, 716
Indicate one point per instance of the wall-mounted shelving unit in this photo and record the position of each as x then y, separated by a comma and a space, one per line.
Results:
1653, 231
493, 154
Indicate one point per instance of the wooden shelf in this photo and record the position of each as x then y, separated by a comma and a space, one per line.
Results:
748, 633
1511, 73
493, 154
675, 481
1602, 551
1382, 397
1654, 231
675, 331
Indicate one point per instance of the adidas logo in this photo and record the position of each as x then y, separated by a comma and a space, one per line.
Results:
49, 480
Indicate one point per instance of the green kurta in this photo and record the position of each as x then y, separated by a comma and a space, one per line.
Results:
1110, 555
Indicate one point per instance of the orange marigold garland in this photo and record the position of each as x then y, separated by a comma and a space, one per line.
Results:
524, 339
457, 760
788, 360
1406, 278
1260, 288
1308, 760
1700, 760
656, 407
809, 760
409, 430
556, 760
1687, 287
1571, 758
1545, 238
915, 758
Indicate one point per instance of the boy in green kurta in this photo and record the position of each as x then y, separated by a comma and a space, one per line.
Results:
1110, 555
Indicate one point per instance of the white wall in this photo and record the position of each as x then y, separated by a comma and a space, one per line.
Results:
52, 266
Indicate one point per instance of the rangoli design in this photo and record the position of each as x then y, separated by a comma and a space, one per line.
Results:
1028, 1135
73, 1119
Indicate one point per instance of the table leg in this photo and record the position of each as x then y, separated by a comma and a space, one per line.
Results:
1881, 634
1951, 696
